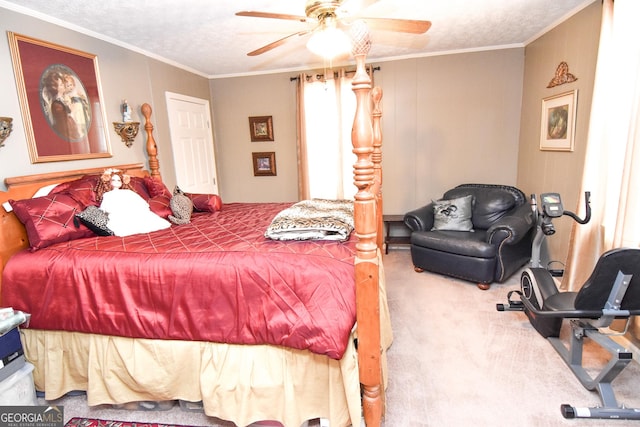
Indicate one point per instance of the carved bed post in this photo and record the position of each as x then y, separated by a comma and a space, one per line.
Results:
366, 263
152, 148
376, 157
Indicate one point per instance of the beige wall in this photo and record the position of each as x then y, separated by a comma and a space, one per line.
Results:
446, 120
124, 75
234, 100
576, 42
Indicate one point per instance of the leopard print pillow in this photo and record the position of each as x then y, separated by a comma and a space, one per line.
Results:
181, 208
95, 220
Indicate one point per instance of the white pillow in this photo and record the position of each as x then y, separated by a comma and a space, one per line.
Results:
42, 191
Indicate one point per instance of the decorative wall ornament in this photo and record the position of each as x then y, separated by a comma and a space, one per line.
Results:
126, 128
6, 125
127, 131
562, 76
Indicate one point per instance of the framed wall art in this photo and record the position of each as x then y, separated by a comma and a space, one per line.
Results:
264, 164
60, 99
558, 122
261, 128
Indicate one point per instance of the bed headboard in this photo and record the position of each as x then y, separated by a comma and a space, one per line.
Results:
13, 236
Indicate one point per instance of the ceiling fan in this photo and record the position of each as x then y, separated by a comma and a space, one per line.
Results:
328, 17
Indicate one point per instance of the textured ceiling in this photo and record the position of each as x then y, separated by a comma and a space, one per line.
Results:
205, 36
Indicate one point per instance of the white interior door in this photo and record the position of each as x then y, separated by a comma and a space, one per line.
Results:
192, 143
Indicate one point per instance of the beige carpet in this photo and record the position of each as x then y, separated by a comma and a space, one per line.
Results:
455, 361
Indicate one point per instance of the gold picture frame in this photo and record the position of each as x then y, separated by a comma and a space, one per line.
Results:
558, 122
261, 128
60, 99
264, 164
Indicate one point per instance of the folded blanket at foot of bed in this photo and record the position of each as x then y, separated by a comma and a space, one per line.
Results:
314, 219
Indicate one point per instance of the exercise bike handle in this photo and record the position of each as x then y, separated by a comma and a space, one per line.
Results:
587, 207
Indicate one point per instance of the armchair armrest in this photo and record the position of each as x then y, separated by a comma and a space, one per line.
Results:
420, 219
512, 227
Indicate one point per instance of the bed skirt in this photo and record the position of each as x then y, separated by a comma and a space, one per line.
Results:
239, 383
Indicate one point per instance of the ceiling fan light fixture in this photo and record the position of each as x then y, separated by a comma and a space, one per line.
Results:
328, 39
329, 43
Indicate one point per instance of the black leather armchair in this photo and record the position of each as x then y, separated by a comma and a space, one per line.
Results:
498, 246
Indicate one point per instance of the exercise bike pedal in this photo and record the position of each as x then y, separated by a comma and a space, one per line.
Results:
568, 411
512, 304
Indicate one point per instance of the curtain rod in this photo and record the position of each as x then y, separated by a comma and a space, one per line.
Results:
320, 75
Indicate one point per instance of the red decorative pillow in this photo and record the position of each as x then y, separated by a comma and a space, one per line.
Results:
138, 185
156, 187
49, 219
81, 189
84, 189
205, 202
160, 206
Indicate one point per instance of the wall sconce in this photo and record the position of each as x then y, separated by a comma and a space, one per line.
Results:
6, 125
126, 128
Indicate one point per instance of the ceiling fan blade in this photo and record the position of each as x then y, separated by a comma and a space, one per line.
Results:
401, 25
272, 15
350, 7
275, 44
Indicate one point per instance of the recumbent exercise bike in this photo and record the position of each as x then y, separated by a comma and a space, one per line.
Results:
611, 292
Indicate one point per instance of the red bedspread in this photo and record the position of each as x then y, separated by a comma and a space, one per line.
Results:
215, 279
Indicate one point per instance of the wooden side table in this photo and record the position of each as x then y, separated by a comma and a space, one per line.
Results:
397, 222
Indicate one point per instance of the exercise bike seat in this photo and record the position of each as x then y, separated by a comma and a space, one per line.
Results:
593, 298
596, 290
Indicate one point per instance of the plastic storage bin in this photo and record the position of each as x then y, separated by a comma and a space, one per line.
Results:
18, 389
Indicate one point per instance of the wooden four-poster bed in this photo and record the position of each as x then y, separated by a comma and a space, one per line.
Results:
134, 324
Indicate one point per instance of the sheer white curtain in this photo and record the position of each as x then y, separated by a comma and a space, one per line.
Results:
612, 163
326, 108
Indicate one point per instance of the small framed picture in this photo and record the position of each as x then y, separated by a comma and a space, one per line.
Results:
261, 128
558, 122
264, 164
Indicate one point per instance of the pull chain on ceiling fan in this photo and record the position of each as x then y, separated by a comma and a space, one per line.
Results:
328, 16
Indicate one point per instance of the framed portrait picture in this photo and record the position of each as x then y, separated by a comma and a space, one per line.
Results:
558, 122
264, 164
261, 128
60, 99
